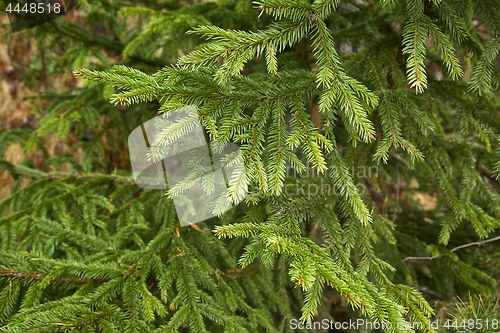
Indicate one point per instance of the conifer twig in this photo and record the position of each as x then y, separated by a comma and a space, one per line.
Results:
455, 249
12, 274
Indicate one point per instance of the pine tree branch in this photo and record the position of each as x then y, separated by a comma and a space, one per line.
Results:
72, 30
22, 170
13, 274
64, 327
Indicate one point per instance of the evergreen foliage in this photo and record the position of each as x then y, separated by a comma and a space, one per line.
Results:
390, 105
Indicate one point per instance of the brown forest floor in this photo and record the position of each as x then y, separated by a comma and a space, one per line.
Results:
16, 111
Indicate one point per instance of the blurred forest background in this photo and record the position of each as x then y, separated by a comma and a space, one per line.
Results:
24, 80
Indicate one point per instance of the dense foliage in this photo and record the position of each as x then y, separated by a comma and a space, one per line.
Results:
370, 135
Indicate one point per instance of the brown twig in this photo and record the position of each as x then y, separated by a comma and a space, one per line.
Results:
455, 249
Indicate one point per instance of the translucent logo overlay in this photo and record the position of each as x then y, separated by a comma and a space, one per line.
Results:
171, 152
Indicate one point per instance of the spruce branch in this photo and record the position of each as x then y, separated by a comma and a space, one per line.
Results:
15, 274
